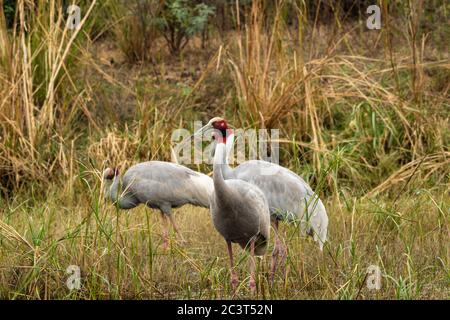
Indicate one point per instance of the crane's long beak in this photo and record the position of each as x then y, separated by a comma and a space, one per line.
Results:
200, 132
205, 129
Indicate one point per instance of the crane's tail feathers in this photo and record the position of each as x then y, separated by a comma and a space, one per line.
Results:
318, 224
320, 238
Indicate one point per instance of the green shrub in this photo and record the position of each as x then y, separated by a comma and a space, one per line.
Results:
179, 21
134, 29
9, 8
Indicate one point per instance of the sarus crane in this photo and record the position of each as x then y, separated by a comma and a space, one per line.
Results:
158, 185
240, 212
289, 197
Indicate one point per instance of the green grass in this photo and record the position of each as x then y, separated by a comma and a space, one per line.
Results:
121, 256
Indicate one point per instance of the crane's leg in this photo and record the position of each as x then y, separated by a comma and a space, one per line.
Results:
283, 256
233, 276
251, 283
276, 251
279, 251
165, 230
174, 225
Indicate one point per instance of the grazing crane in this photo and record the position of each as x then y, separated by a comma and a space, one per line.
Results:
239, 210
159, 185
289, 197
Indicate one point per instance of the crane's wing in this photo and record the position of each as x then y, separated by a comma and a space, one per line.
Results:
165, 183
290, 198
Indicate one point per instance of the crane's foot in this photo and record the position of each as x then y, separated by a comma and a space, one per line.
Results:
252, 286
272, 277
279, 256
283, 259
181, 241
165, 241
165, 245
234, 282
274, 263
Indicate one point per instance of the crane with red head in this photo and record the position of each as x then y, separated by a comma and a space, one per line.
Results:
290, 198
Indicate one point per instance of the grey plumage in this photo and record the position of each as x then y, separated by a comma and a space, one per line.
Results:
290, 198
239, 210
159, 185
241, 215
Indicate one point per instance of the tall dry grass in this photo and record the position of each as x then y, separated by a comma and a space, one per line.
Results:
281, 83
35, 83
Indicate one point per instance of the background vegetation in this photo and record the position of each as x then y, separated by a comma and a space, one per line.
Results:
363, 117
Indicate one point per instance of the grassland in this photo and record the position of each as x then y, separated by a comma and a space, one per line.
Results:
363, 117
121, 257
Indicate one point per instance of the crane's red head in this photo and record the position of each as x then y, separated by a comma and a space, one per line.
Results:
220, 125
110, 173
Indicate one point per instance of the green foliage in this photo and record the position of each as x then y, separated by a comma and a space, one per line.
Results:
180, 21
9, 7
135, 31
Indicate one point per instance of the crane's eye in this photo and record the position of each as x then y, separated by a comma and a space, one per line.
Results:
220, 124
109, 174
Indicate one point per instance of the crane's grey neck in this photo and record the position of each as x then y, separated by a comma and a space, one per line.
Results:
219, 164
112, 188
227, 171
229, 147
